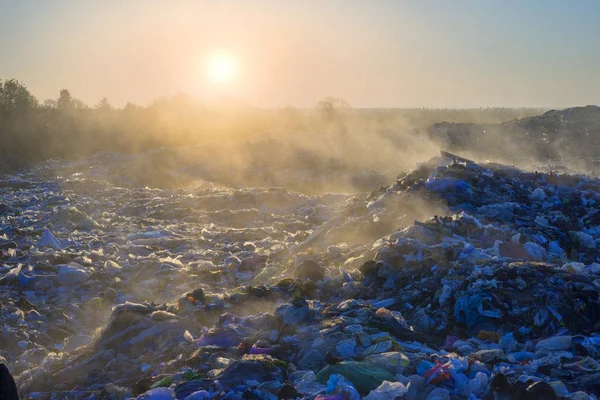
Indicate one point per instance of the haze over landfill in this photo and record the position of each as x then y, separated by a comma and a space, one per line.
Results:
320, 200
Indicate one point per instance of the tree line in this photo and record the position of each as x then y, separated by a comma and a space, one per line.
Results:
65, 127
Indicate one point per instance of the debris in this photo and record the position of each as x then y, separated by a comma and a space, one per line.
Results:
490, 288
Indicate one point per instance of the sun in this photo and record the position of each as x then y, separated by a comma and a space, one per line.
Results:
221, 68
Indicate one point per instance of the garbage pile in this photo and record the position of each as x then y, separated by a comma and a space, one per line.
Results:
568, 134
491, 293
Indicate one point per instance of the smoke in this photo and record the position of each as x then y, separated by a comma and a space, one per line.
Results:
344, 150
178, 142
562, 141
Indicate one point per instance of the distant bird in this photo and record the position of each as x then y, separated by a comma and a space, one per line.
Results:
331, 359
288, 391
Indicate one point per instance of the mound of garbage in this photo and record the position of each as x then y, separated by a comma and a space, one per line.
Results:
567, 134
458, 281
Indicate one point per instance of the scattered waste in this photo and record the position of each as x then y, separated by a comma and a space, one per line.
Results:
490, 287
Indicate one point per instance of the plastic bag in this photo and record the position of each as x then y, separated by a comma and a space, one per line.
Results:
478, 385
160, 393
471, 310
393, 361
387, 391
338, 385
434, 373
199, 395
363, 376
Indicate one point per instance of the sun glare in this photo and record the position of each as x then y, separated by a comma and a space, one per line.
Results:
221, 68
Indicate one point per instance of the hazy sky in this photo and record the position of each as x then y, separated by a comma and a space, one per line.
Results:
400, 53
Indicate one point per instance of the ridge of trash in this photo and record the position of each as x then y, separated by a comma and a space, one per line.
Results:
458, 281
566, 134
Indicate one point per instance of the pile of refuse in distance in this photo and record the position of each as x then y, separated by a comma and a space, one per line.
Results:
496, 299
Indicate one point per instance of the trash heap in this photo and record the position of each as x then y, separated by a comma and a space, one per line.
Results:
494, 295
566, 134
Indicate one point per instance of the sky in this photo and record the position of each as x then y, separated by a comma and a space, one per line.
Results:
381, 53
